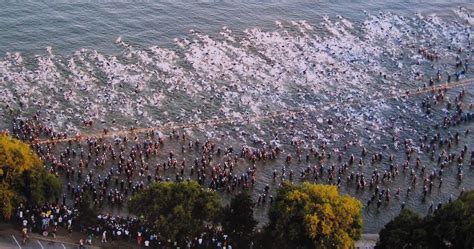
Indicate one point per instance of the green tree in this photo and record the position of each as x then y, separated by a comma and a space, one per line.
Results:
238, 220
6, 197
453, 225
86, 212
23, 176
314, 216
176, 209
36, 186
405, 231
450, 227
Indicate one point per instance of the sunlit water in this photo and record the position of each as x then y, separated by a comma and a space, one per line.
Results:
143, 65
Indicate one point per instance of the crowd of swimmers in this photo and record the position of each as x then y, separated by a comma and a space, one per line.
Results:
110, 170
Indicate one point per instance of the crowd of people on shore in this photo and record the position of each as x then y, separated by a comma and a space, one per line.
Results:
50, 218
45, 219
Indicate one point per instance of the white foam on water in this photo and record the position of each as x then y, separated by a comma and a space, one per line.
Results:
341, 70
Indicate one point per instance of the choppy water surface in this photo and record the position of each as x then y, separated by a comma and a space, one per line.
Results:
340, 67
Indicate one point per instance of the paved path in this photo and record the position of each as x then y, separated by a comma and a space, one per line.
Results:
367, 241
15, 242
10, 238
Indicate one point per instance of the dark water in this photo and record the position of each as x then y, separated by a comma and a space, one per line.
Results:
328, 67
30, 26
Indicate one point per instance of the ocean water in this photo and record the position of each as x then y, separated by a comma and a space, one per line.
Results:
31, 26
333, 72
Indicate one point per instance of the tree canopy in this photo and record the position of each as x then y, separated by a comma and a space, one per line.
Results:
16, 157
452, 226
23, 177
238, 220
176, 209
86, 211
314, 216
405, 231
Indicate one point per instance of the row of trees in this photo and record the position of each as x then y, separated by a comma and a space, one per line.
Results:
23, 177
452, 226
305, 216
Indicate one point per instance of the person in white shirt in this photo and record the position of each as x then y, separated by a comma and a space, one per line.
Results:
104, 237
